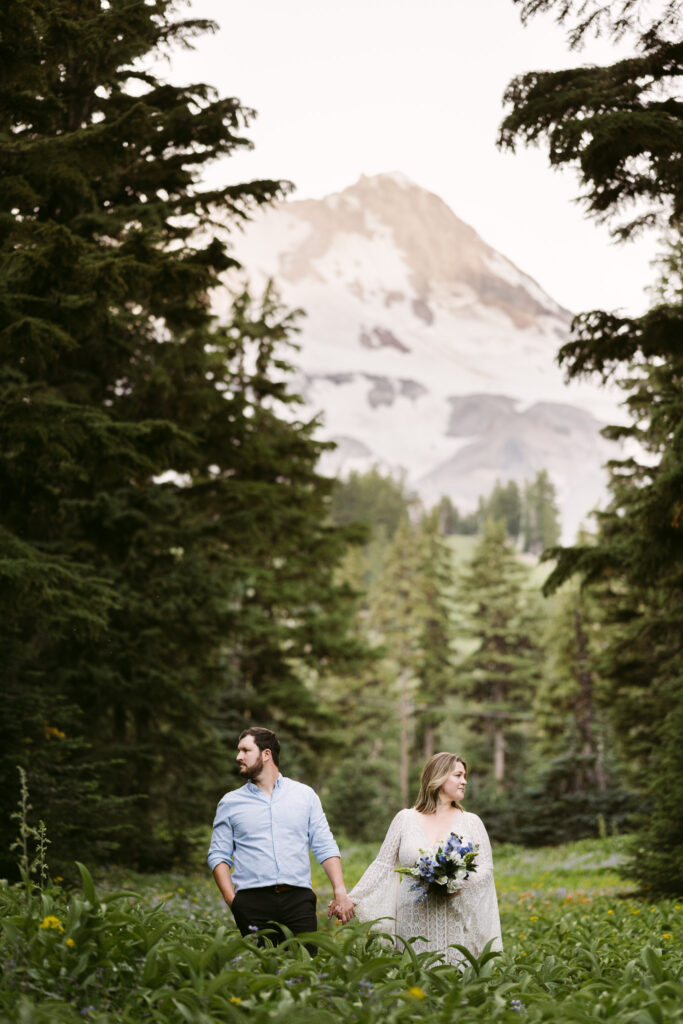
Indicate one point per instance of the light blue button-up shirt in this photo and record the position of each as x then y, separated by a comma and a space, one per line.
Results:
265, 840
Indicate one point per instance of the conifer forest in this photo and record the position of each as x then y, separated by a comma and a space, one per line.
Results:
175, 567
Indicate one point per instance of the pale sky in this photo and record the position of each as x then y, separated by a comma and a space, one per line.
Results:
371, 86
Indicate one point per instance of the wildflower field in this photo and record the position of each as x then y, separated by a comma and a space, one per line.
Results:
133, 948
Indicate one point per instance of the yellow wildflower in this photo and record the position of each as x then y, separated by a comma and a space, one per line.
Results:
51, 922
534, 917
667, 935
70, 943
416, 992
180, 890
610, 911
235, 999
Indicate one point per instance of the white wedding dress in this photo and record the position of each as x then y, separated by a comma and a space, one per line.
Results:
470, 918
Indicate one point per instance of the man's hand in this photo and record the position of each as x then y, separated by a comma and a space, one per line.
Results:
342, 907
224, 882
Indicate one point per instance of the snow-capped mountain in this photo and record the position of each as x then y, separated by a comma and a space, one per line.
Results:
425, 349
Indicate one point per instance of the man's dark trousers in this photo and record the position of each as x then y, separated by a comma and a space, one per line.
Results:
291, 905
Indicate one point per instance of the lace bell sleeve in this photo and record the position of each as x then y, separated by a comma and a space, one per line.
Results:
484, 862
376, 894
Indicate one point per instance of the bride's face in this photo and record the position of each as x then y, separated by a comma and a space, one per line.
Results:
455, 785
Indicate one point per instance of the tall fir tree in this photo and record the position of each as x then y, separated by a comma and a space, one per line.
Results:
621, 126
396, 709
499, 676
395, 619
505, 502
166, 553
540, 519
357, 775
569, 705
378, 500
435, 668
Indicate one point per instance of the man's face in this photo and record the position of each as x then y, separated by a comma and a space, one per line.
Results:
249, 759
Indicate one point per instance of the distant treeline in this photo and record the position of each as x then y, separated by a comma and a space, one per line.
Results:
529, 512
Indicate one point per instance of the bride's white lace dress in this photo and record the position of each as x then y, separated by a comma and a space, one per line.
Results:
469, 919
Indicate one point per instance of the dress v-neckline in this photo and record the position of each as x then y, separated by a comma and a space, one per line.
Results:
434, 842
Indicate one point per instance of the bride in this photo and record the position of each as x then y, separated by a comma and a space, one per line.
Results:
470, 916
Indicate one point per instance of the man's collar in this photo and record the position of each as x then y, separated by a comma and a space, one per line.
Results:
253, 788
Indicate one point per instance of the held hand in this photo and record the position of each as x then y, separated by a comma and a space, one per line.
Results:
342, 907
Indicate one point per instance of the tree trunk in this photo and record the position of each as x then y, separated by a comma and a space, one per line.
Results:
404, 743
428, 746
583, 707
498, 756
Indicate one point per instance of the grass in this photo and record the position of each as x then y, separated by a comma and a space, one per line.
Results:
578, 947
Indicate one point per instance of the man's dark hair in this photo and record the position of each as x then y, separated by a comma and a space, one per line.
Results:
264, 740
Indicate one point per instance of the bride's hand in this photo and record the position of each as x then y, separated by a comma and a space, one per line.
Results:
341, 907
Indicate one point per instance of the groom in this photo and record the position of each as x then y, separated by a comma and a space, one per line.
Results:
262, 832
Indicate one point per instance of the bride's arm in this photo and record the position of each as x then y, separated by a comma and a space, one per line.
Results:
384, 863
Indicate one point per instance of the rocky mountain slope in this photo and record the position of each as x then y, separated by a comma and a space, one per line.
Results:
425, 349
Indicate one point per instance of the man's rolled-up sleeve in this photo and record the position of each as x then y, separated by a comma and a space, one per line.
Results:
320, 835
222, 848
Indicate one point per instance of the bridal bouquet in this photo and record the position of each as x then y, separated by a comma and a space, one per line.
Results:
444, 870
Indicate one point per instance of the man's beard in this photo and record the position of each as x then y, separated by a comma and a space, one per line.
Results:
252, 774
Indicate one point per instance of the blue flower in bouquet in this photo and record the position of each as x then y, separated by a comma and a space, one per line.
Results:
444, 870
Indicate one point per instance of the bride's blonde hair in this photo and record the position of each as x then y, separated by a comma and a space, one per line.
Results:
434, 774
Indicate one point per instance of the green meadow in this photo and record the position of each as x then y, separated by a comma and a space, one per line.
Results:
579, 946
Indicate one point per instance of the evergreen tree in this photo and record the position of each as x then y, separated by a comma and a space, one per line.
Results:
618, 125
380, 501
499, 676
505, 503
396, 710
541, 525
357, 774
448, 516
569, 706
166, 555
395, 618
621, 126
435, 669
452, 521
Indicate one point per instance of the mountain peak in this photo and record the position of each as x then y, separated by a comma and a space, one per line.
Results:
424, 347
389, 177
421, 248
